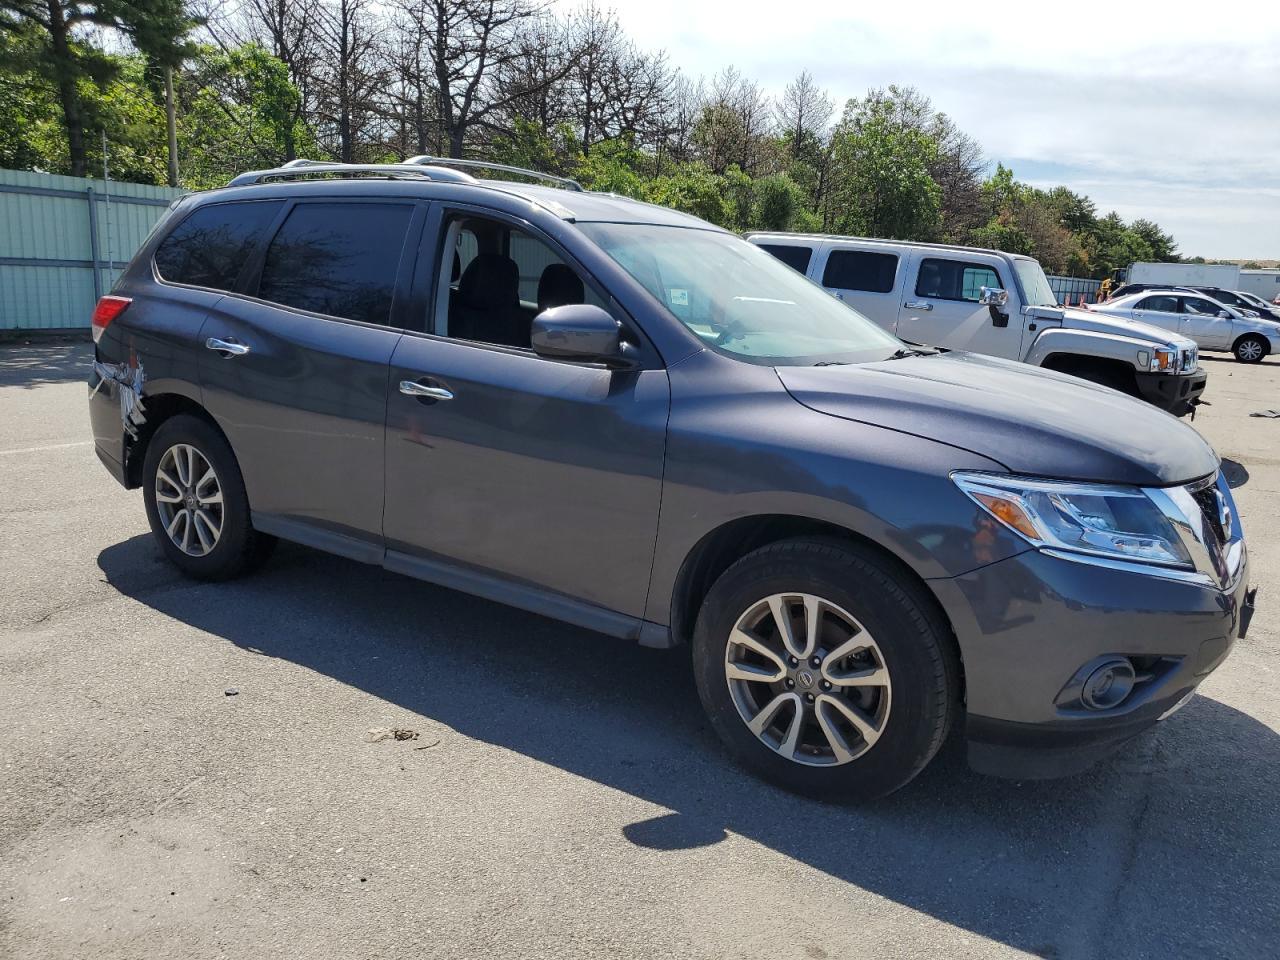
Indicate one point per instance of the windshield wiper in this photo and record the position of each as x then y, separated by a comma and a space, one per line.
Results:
832, 363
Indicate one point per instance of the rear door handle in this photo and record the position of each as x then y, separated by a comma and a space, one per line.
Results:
228, 348
917, 305
411, 388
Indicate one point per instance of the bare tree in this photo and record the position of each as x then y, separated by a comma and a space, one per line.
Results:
804, 114
470, 43
350, 75
736, 120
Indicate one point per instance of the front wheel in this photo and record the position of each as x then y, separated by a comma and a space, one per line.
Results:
824, 668
1250, 349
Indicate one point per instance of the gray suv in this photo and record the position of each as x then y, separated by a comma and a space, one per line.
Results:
623, 417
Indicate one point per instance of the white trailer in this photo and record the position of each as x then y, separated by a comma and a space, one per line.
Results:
1224, 275
1261, 283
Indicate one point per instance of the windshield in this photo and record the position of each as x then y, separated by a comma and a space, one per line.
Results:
739, 299
1035, 285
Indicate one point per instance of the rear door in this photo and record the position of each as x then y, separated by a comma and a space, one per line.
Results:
867, 280
295, 367
940, 304
541, 472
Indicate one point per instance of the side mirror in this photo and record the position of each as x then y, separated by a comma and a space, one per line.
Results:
1224, 314
993, 298
579, 331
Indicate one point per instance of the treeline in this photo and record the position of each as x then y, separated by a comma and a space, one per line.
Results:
510, 80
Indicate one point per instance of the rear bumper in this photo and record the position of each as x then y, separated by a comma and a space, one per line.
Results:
107, 425
1028, 625
1177, 394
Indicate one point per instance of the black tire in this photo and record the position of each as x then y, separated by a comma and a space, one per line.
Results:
1251, 348
238, 548
914, 643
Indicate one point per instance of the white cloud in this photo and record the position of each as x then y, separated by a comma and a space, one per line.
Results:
1157, 110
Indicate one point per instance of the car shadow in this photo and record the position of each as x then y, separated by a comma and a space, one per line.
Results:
31, 365
1061, 868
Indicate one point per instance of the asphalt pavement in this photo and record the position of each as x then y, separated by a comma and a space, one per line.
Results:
188, 770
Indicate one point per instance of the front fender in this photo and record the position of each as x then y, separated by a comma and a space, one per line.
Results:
1089, 343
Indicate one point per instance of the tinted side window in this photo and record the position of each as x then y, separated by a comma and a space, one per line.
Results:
1165, 304
209, 247
859, 270
795, 257
338, 259
955, 280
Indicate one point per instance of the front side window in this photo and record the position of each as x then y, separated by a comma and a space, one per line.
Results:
860, 270
1200, 306
1161, 303
339, 259
500, 278
738, 299
954, 280
209, 247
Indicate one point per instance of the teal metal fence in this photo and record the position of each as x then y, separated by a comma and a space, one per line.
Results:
64, 240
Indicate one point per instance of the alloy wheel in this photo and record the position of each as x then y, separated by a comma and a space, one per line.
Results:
1249, 350
189, 500
808, 679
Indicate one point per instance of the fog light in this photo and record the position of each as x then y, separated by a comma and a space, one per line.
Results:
1108, 685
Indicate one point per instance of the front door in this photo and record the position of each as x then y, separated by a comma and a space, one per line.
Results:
1200, 322
542, 472
941, 308
296, 376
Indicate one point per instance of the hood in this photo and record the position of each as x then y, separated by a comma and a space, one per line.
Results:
1033, 421
1099, 321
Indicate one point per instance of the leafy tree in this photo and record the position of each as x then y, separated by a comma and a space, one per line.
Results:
881, 185
241, 114
1163, 247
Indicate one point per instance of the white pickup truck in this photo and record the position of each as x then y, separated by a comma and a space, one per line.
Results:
985, 301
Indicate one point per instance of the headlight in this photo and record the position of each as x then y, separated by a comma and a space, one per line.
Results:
1164, 360
1118, 522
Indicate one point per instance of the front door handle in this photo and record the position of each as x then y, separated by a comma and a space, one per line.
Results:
411, 388
918, 305
228, 348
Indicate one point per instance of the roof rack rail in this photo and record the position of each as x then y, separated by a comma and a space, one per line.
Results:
563, 182
301, 168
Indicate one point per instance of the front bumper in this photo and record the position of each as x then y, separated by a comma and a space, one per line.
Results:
1172, 392
1027, 625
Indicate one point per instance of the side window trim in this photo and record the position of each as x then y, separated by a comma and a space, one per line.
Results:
963, 264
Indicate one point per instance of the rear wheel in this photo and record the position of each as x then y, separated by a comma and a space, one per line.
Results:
1250, 348
824, 669
196, 502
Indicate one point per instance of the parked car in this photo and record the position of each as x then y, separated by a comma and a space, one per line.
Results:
1265, 310
1230, 297
628, 419
1211, 323
985, 301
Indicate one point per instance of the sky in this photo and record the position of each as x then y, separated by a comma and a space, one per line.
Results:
1169, 112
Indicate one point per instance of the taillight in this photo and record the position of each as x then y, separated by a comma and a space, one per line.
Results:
108, 309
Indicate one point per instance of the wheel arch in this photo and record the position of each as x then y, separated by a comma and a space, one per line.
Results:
721, 547
1252, 335
160, 408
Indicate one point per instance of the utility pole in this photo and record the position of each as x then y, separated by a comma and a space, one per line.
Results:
171, 119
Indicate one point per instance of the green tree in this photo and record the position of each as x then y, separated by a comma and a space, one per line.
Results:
880, 181
1163, 247
65, 62
239, 112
